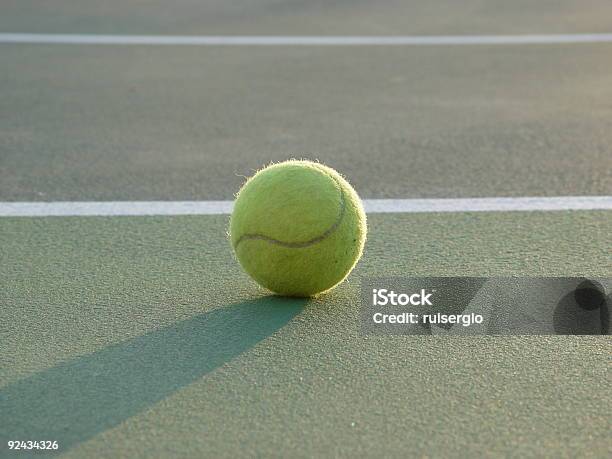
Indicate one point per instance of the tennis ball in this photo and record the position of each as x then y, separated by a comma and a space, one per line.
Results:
298, 228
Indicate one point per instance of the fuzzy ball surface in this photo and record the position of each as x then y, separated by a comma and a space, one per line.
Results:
298, 228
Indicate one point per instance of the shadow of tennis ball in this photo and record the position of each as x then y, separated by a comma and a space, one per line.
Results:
585, 311
78, 399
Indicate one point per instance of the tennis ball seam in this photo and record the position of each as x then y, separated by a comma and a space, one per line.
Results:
300, 245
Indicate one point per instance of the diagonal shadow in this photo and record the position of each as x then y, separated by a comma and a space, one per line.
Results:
454, 295
78, 399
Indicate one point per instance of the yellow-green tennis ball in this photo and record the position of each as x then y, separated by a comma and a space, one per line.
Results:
298, 228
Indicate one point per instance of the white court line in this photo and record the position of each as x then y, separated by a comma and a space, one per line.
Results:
372, 206
307, 40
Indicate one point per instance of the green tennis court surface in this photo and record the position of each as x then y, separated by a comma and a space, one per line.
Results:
140, 336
